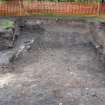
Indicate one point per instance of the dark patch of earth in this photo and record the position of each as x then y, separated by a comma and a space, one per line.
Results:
61, 68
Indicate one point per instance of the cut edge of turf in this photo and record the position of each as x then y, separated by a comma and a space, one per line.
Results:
81, 16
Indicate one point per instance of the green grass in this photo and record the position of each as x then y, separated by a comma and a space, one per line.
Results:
4, 23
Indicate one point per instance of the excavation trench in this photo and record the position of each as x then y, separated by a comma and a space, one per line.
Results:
62, 66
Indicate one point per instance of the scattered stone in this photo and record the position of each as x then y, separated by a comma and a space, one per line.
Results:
24, 47
93, 93
58, 19
60, 103
72, 73
39, 22
103, 82
6, 57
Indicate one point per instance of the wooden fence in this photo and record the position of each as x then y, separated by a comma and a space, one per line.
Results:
59, 8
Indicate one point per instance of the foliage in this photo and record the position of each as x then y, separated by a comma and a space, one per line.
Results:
4, 23
70, 0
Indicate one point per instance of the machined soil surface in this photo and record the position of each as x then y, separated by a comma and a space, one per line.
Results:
61, 68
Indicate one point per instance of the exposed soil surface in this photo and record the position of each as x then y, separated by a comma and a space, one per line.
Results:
61, 67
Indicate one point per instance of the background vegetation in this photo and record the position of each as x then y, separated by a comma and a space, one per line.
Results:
62, 0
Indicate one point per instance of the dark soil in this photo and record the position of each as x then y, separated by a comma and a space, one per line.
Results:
61, 67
